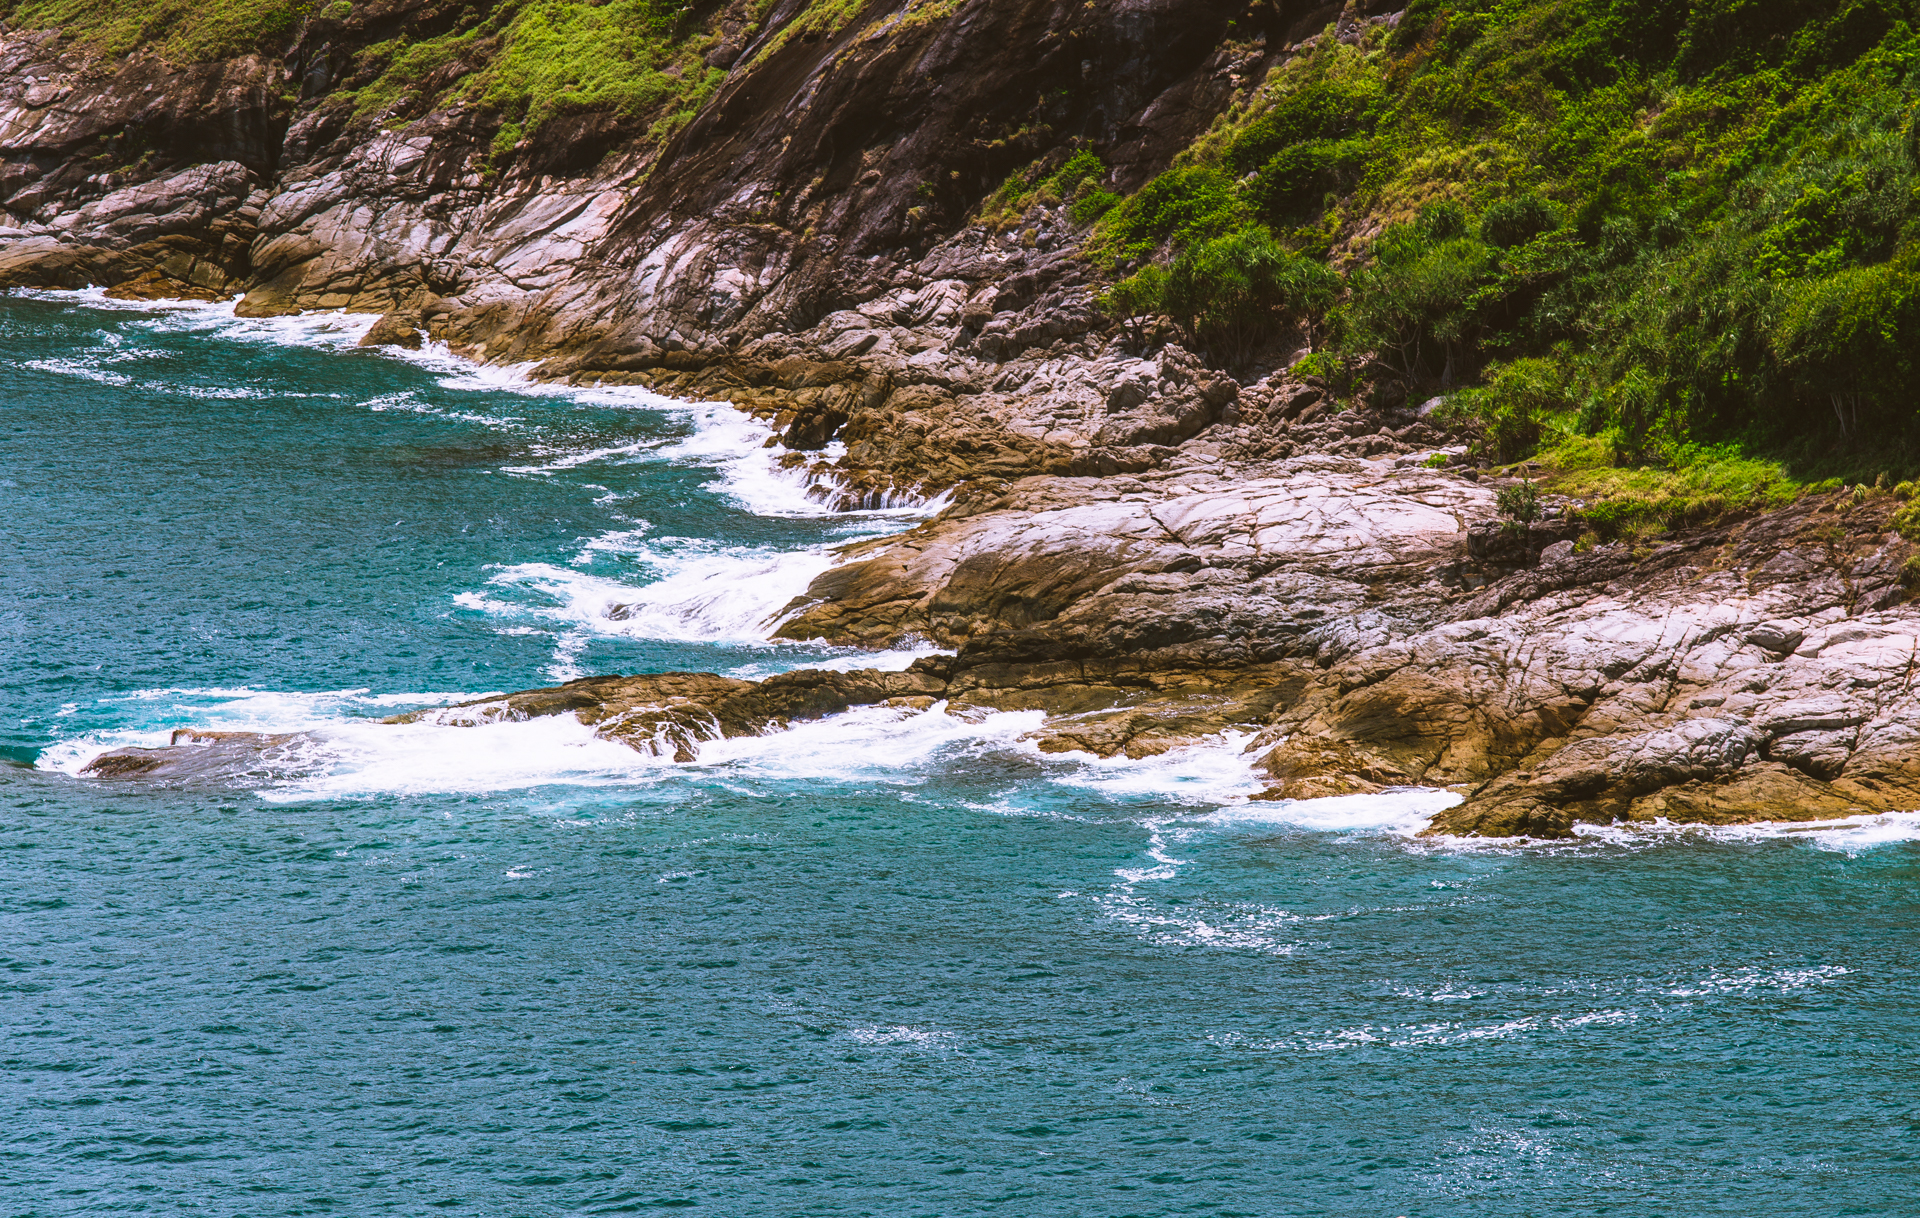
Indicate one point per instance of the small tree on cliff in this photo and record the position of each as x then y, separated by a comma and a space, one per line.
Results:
1137, 302
1228, 296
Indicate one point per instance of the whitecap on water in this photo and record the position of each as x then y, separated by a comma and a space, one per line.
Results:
1207, 772
1846, 834
901, 1035
704, 592
1403, 812
869, 744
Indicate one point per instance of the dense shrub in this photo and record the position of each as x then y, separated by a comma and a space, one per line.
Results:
1418, 308
1227, 296
1181, 206
1520, 404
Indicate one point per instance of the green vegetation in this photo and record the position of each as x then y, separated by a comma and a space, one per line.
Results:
1078, 180
1675, 245
1697, 485
1227, 295
1519, 504
534, 62
185, 31
820, 17
527, 60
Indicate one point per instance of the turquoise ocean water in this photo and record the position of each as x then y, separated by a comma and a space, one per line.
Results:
881, 965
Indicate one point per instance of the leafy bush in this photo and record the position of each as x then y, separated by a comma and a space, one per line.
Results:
1514, 411
1179, 207
1231, 294
1137, 302
1093, 204
1519, 503
1078, 180
1853, 339
1325, 367
1300, 176
1332, 103
1418, 308
1516, 221
1906, 522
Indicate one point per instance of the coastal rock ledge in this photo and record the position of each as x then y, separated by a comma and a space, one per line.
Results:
1335, 608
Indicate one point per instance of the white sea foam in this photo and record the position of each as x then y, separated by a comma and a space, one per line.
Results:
343, 751
1206, 773
1749, 981
702, 592
1847, 835
352, 760
1401, 812
1427, 1035
868, 744
1217, 775
77, 368
782, 657
901, 1035
731, 442
330, 330
408, 401
158, 712
1595, 1004
97, 298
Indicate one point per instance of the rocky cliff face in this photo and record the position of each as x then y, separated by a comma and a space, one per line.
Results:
1148, 549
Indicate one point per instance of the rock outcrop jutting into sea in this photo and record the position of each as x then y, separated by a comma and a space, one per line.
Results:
1145, 548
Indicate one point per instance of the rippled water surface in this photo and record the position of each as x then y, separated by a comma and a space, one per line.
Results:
887, 964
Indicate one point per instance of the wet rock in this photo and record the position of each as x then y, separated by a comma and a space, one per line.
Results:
672, 714
395, 329
196, 757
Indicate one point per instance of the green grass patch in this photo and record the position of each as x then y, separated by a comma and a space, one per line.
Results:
1077, 180
183, 31
534, 63
825, 18
530, 62
1703, 486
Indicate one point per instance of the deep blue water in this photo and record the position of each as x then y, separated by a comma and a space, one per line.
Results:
877, 966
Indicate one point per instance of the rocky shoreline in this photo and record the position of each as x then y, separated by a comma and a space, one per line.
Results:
1334, 607
1148, 550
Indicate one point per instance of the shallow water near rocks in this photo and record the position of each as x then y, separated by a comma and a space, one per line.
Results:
884, 964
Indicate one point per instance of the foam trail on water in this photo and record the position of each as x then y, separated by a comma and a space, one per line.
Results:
1847, 834
869, 743
1206, 773
706, 594
730, 441
155, 713
359, 760
1403, 812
